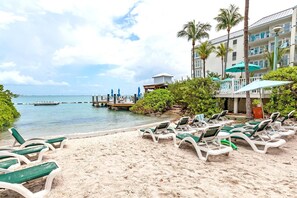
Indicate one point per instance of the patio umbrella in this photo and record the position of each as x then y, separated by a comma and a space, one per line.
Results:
240, 68
260, 84
215, 79
138, 92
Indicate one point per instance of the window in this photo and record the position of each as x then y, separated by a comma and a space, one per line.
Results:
235, 42
261, 63
287, 27
234, 56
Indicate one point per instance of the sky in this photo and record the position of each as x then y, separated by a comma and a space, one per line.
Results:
75, 47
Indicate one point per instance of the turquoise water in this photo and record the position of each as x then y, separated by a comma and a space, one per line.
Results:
39, 121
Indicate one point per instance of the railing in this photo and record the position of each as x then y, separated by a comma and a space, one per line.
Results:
228, 87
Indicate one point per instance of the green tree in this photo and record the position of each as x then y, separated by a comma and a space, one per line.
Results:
8, 112
197, 95
221, 52
204, 50
158, 100
269, 56
213, 74
194, 32
283, 98
248, 104
227, 19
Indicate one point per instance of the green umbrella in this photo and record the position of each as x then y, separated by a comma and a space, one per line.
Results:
240, 68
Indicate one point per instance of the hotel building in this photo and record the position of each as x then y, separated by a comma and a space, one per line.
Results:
261, 38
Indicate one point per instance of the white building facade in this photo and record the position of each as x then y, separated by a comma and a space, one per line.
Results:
261, 38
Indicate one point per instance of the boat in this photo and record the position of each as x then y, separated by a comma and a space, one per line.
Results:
46, 103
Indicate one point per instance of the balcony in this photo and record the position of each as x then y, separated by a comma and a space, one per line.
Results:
228, 87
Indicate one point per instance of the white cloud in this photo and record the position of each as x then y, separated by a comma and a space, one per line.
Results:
6, 65
7, 18
14, 77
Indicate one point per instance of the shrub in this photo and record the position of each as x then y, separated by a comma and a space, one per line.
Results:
197, 95
283, 99
158, 100
8, 112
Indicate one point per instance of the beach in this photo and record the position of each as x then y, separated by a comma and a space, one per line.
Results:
126, 165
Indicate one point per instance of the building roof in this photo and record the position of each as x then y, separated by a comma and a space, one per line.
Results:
162, 75
224, 38
273, 17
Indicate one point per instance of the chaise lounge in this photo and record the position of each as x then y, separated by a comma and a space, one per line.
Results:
161, 131
14, 180
208, 142
51, 143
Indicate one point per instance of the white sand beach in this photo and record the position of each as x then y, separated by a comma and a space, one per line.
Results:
126, 165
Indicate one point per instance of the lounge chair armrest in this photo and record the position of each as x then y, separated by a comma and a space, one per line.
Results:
36, 139
32, 142
19, 157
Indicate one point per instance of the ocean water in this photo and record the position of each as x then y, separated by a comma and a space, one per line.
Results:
70, 118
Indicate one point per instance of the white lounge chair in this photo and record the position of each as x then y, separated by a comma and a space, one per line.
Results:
257, 136
207, 142
14, 180
61, 141
182, 126
161, 131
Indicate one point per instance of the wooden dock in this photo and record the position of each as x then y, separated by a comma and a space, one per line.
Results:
118, 106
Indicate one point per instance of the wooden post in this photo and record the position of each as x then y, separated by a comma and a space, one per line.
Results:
97, 101
107, 98
114, 98
135, 99
93, 100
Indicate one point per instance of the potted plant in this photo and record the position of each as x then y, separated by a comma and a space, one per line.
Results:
257, 109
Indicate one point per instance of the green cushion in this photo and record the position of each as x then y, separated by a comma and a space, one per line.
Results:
254, 122
26, 151
7, 163
184, 135
55, 140
27, 174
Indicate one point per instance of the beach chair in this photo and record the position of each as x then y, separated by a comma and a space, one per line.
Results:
198, 121
283, 125
222, 116
207, 142
25, 153
161, 131
182, 126
14, 180
51, 143
213, 119
257, 136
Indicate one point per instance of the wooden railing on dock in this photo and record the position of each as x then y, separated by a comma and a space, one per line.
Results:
114, 102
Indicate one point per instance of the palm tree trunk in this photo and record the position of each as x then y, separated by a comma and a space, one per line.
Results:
222, 58
204, 68
193, 54
246, 60
227, 50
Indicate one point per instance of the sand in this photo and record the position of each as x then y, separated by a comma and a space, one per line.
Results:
126, 165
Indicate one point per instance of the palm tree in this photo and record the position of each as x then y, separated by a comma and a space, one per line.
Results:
204, 50
228, 18
194, 32
221, 51
248, 103
270, 56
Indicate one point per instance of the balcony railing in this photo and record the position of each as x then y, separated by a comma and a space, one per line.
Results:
229, 87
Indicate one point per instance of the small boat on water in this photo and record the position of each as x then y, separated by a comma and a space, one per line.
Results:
46, 103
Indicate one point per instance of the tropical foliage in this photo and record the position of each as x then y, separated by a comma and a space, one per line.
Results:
221, 51
204, 50
158, 100
284, 98
196, 95
8, 113
228, 18
270, 56
194, 32
213, 74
